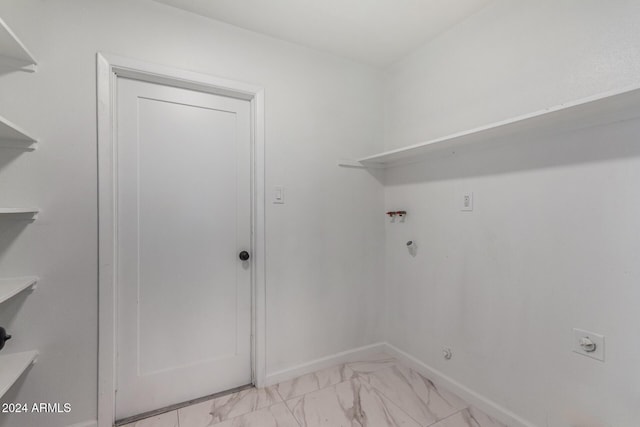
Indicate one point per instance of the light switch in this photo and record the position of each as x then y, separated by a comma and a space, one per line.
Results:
466, 202
278, 195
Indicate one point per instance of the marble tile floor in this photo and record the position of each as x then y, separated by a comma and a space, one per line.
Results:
376, 392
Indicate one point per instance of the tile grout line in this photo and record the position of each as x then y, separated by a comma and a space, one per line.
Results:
343, 365
254, 410
446, 418
287, 406
376, 389
394, 403
401, 409
278, 391
319, 388
355, 374
292, 414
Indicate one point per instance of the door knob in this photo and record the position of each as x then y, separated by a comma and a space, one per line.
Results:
3, 337
244, 255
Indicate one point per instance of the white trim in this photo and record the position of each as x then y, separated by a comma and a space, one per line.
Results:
352, 355
259, 242
109, 68
473, 398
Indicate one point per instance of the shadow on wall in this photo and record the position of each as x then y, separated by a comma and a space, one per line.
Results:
11, 228
10, 154
12, 396
514, 154
10, 310
7, 69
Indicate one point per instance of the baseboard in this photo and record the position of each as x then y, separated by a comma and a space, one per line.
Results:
324, 362
473, 398
92, 423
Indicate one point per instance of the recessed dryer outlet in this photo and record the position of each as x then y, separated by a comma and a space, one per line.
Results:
588, 344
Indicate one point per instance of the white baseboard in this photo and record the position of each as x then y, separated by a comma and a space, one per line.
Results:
92, 423
324, 362
473, 398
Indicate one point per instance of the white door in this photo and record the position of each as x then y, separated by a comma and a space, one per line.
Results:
183, 216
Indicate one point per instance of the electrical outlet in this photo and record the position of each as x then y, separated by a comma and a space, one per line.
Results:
588, 344
466, 202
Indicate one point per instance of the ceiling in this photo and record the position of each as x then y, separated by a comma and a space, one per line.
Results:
378, 32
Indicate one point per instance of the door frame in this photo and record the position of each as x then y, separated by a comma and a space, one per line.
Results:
109, 69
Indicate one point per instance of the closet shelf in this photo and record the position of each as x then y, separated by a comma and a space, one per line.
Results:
12, 287
18, 211
12, 366
13, 53
13, 135
597, 110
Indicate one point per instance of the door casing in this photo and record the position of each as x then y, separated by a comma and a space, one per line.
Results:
109, 69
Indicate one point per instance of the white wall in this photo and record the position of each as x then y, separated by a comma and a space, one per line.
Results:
324, 257
553, 241
551, 244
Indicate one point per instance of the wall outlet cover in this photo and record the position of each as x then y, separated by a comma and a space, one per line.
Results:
580, 337
466, 202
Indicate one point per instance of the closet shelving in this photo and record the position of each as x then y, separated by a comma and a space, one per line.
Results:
12, 366
18, 211
13, 54
594, 111
13, 286
12, 136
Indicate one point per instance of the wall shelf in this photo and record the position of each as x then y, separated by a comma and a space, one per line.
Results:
18, 211
12, 367
14, 56
588, 112
11, 135
13, 53
13, 286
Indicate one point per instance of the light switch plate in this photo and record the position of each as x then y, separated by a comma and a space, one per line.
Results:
278, 195
466, 202
597, 339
